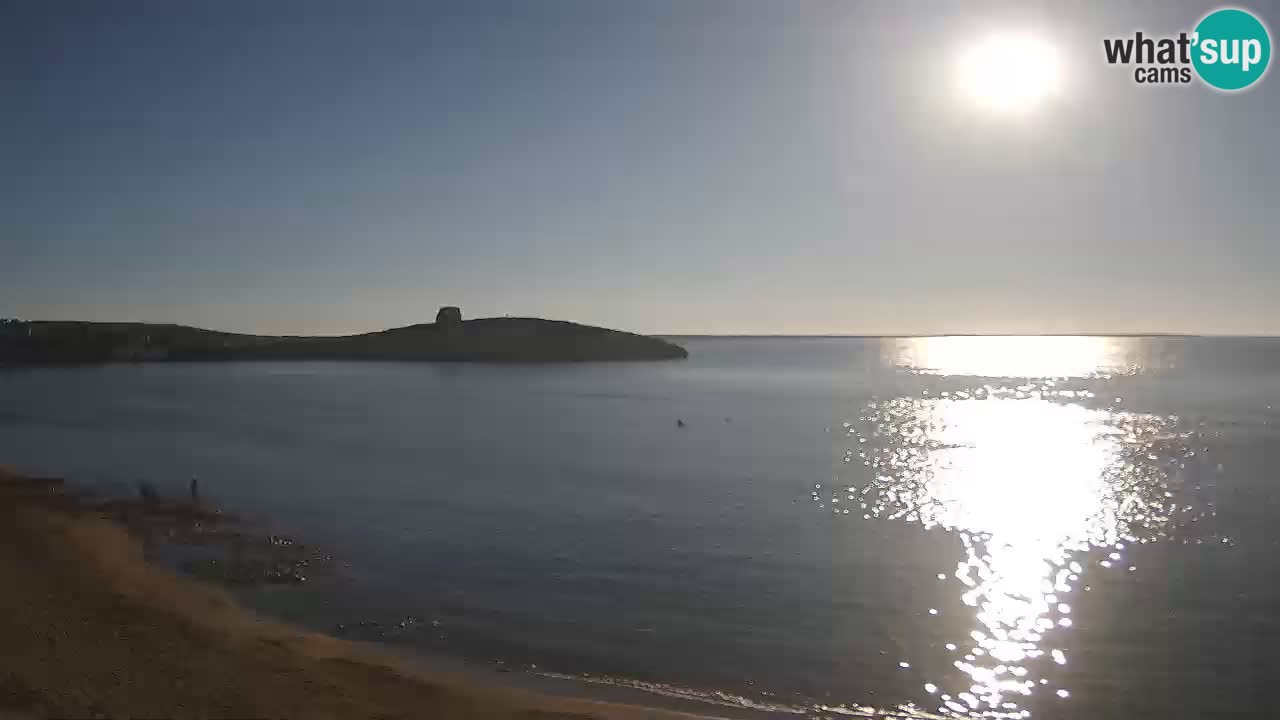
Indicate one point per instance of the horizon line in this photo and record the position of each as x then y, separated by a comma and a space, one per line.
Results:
857, 336
704, 335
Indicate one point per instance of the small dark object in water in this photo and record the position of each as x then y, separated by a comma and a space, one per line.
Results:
679, 423
195, 491
728, 419
147, 491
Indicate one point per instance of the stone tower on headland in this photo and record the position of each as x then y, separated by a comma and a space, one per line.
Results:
449, 318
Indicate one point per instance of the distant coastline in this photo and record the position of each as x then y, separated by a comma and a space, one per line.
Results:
907, 336
449, 339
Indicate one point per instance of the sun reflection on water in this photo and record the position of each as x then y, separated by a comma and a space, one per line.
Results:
1013, 356
1034, 486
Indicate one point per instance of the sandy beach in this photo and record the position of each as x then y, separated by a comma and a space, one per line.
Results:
91, 629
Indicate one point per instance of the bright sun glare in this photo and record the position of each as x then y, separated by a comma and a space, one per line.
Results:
1009, 72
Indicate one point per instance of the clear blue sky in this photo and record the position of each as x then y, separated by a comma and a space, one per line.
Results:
660, 166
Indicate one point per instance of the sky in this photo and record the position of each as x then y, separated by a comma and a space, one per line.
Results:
667, 166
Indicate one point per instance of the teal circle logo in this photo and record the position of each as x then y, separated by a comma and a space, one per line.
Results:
1231, 49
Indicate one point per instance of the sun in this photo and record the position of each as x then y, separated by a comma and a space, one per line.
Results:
1009, 72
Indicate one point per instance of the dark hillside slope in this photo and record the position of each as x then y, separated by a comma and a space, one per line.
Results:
483, 340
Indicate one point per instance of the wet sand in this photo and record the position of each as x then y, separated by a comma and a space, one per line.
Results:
91, 629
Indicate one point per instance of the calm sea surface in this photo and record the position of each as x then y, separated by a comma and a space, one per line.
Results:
992, 527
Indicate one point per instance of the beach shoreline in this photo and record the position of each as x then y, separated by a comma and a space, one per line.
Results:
93, 629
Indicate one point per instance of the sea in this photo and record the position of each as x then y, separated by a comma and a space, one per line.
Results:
987, 527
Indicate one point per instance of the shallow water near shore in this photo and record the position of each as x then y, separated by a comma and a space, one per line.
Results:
987, 527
